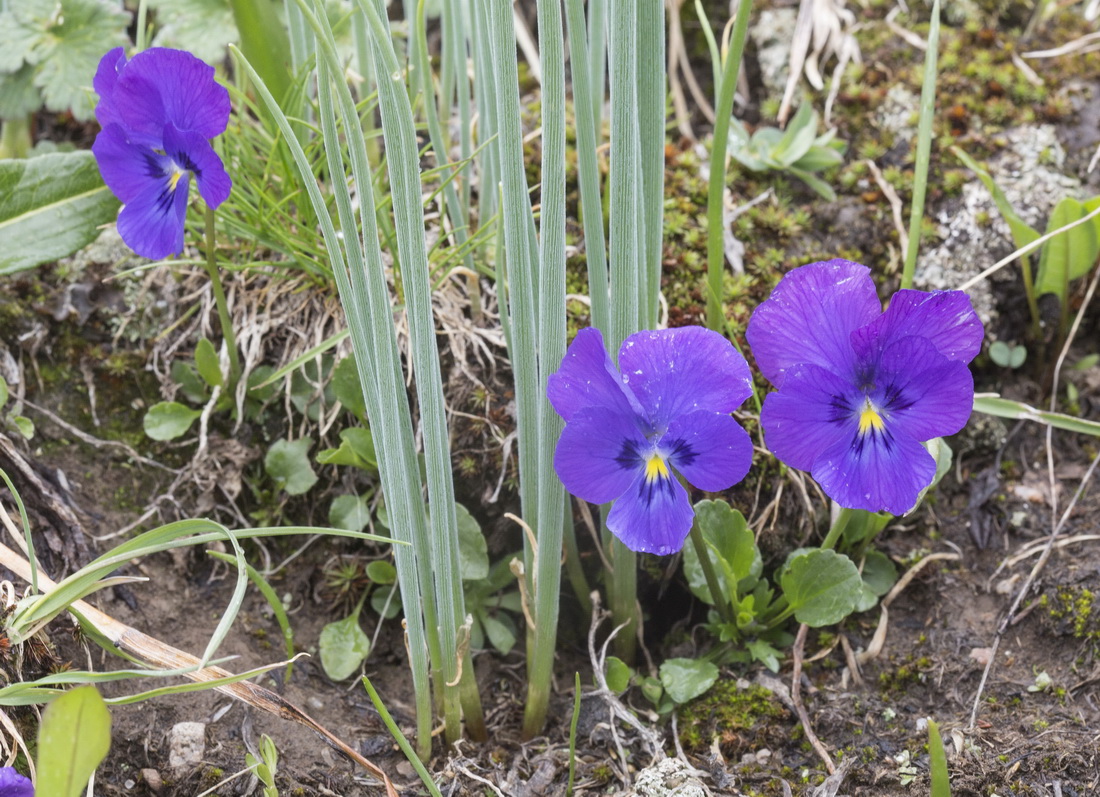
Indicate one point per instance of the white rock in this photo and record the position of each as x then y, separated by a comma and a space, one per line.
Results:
186, 745
666, 778
1028, 173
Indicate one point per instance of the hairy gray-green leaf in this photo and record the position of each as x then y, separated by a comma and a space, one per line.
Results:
74, 737
18, 94
343, 647
287, 462
63, 40
686, 679
203, 27
50, 206
822, 586
167, 420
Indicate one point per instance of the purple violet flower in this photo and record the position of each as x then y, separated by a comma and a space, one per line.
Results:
626, 434
158, 111
860, 389
12, 784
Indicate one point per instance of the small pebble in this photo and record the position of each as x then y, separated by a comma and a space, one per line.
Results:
153, 780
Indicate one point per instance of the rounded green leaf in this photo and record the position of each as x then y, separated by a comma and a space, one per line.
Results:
822, 586
351, 512
348, 389
473, 553
206, 361
731, 545
381, 572
618, 674
343, 647
168, 420
287, 462
686, 679
500, 631
74, 737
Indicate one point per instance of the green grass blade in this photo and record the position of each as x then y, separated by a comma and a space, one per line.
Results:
544, 578
924, 147
399, 737
588, 175
651, 126
716, 188
941, 780
992, 404
403, 162
264, 42
273, 601
393, 433
517, 217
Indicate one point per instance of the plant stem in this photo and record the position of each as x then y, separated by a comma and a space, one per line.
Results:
15, 137
924, 147
573, 732
219, 299
717, 187
702, 551
842, 519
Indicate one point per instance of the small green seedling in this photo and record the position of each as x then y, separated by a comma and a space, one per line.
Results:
11, 417
1007, 355
799, 150
266, 766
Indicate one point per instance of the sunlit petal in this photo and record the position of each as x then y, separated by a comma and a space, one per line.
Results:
710, 449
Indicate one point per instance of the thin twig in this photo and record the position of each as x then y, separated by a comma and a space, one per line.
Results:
796, 698
1023, 250
96, 442
479, 779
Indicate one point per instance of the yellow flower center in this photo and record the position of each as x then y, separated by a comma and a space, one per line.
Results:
174, 178
869, 418
656, 468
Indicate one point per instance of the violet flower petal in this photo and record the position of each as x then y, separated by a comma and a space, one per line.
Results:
600, 452
710, 449
127, 168
945, 318
12, 784
877, 472
194, 153
106, 76
810, 316
152, 223
814, 411
675, 371
587, 377
653, 515
926, 395
160, 86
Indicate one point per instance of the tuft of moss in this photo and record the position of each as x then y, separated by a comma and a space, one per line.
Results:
741, 719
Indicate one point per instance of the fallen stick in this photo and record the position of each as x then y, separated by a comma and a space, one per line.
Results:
158, 654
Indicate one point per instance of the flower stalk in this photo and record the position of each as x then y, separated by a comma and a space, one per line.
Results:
224, 318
